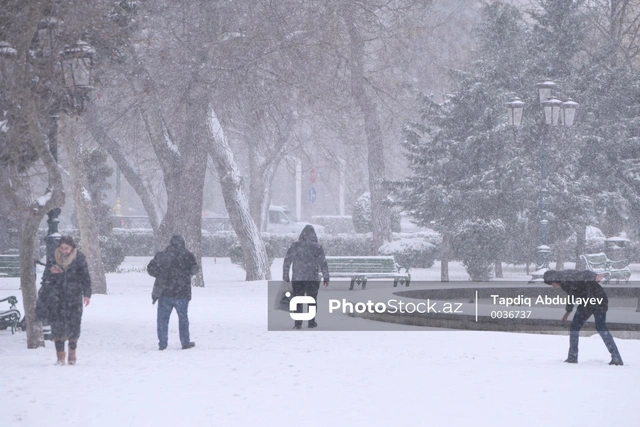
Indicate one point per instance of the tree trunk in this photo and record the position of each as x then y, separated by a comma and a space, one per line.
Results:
581, 245
498, 269
445, 253
28, 279
380, 211
235, 199
256, 187
561, 254
86, 218
53, 198
263, 166
185, 188
260, 192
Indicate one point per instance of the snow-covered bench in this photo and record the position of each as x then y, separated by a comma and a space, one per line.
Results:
599, 263
360, 269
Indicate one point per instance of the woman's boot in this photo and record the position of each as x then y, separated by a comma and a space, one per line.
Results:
61, 356
72, 352
60, 351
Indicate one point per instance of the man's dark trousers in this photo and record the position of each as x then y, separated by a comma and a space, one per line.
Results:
581, 316
309, 287
165, 307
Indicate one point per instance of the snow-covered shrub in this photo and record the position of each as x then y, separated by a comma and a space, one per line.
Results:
413, 253
594, 243
335, 224
594, 240
478, 244
237, 257
632, 252
362, 215
112, 253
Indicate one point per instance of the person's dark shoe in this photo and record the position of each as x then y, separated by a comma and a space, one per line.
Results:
188, 346
616, 360
297, 326
312, 324
162, 347
572, 359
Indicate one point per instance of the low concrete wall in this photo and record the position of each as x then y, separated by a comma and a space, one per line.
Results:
487, 323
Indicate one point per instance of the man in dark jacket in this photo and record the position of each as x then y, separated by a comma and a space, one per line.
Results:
308, 259
173, 268
582, 287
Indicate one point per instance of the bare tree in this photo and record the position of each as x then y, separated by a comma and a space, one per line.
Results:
255, 259
130, 171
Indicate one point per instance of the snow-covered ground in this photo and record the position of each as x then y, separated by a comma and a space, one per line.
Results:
239, 374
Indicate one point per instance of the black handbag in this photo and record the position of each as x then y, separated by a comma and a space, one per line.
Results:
45, 305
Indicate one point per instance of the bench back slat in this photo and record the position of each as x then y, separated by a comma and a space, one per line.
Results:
10, 265
361, 265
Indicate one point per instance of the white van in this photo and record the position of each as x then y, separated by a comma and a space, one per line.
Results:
281, 221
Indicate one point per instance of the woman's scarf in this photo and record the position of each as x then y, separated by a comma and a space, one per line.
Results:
64, 261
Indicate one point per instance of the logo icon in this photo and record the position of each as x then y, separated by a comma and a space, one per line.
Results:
298, 301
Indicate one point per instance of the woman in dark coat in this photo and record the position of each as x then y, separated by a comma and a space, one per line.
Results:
66, 287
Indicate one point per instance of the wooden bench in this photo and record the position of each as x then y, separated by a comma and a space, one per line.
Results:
360, 269
9, 265
599, 263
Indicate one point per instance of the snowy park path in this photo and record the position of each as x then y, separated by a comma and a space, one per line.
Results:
240, 374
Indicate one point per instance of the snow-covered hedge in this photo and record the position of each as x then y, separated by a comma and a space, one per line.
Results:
218, 244
136, 242
140, 242
335, 224
412, 252
237, 257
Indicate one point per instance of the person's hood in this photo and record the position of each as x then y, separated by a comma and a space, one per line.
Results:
177, 241
308, 234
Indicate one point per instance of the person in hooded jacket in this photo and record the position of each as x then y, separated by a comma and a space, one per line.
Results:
66, 288
306, 258
584, 284
173, 268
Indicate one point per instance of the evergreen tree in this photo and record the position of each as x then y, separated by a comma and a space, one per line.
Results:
465, 161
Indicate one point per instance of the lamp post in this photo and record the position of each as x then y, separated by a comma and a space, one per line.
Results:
556, 113
75, 62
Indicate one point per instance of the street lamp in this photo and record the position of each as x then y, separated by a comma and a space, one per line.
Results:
555, 112
48, 36
77, 62
515, 107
